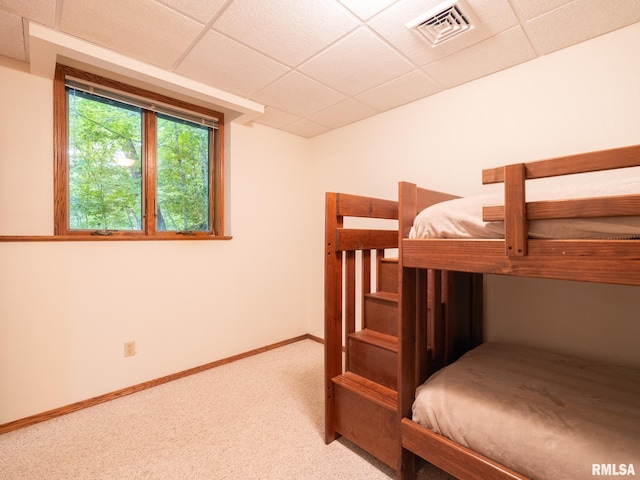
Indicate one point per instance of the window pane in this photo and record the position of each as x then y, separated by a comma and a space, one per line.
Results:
105, 168
183, 175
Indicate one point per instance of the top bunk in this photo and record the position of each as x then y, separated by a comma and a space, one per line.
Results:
589, 232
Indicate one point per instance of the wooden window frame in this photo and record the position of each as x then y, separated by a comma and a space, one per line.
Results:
148, 228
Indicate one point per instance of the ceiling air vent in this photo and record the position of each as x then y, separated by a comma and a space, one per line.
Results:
444, 22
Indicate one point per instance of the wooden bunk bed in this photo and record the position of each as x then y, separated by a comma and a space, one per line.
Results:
614, 261
375, 363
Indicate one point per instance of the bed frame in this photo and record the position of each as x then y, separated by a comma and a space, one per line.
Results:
427, 329
603, 261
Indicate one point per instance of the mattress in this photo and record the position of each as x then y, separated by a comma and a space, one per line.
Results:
462, 217
544, 415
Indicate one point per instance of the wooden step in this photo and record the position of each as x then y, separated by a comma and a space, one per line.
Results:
381, 340
366, 414
381, 312
374, 355
388, 275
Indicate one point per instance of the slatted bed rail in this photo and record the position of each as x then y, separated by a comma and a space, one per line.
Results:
590, 260
516, 211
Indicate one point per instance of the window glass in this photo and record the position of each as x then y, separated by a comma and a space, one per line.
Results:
105, 169
183, 175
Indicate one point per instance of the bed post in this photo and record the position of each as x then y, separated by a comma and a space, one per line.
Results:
333, 310
440, 315
408, 311
515, 211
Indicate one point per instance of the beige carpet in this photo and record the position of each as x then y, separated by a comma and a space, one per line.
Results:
257, 418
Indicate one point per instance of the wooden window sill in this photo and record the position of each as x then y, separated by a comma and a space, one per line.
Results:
114, 238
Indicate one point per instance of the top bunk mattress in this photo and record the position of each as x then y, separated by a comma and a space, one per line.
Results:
544, 415
462, 218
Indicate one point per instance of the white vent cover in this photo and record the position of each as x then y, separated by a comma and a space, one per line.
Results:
444, 22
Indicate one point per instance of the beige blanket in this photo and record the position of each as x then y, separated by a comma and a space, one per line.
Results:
544, 415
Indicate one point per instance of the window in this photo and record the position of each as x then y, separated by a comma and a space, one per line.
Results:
130, 163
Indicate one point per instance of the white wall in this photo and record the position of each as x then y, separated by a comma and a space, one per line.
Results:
67, 308
579, 99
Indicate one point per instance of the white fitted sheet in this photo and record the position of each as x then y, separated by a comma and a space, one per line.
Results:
462, 217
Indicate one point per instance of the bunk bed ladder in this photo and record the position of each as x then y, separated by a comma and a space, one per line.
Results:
361, 396
364, 373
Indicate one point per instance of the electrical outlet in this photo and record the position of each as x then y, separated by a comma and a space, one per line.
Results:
129, 348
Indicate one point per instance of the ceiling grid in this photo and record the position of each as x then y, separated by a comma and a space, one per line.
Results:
319, 64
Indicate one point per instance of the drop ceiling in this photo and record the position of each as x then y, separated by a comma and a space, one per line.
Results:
317, 65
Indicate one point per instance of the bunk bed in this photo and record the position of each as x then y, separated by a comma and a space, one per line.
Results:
516, 246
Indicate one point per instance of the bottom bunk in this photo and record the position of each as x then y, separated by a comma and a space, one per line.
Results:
503, 409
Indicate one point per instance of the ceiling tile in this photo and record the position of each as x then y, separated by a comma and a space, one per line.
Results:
201, 10
275, 118
342, 114
494, 16
305, 128
228, 65
299, 95
344, 67
11, 36
160, 39
41, 11
579, 21
532, 8
400, 91
502, 51
289, 31
366, 9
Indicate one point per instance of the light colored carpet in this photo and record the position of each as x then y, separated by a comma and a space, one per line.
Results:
258, 418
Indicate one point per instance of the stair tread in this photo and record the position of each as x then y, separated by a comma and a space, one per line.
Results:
382, 395
390, 259
382, 295
372, 337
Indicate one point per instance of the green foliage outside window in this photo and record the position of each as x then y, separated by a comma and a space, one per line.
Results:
106, 168
183, 175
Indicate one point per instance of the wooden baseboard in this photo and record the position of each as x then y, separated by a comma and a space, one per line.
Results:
315, 339
321, 340
74, 407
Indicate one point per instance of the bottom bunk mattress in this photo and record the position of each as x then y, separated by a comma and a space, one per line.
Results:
544, 415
